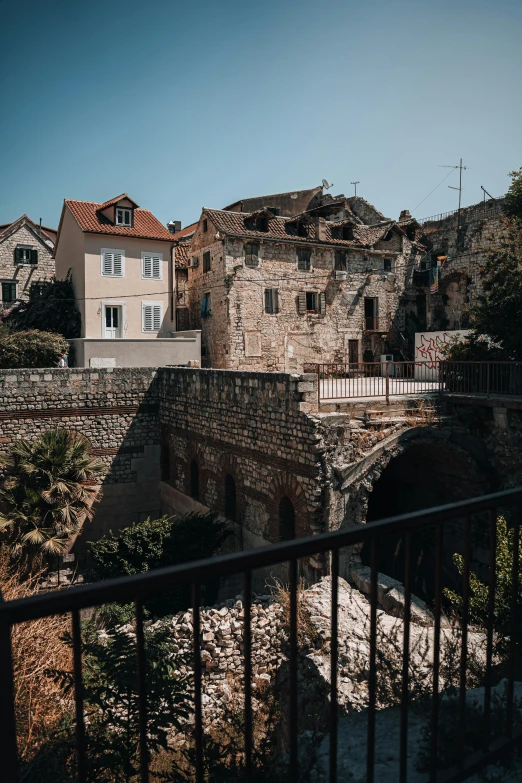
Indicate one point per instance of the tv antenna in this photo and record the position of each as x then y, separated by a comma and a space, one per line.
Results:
355, 183
486, 193
326, 186
461, 168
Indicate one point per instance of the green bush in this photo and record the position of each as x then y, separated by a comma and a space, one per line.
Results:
31, 348
51, 307
157, 543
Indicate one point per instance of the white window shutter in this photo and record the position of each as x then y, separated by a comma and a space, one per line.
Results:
322, 303
157, 318
301, 302
147, 266
117, 264
147, 318
107, 263
156, 267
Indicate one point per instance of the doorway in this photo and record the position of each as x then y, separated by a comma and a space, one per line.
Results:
353, 351
371, 313
112, 321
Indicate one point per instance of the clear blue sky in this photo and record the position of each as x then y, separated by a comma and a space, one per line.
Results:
191, 104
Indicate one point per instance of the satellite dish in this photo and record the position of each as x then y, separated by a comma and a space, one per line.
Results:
326, 186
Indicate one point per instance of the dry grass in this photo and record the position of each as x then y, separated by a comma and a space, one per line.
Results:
307, 635
372, 435
37, 647
423, 415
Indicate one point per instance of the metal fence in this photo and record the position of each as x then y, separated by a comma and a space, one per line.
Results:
481, 209
360, 380
136, 588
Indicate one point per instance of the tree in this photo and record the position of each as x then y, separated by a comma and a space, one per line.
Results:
51, 307
157, 543
497, 313
49, 487
31, 348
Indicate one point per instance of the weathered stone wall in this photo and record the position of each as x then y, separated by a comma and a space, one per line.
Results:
24, 275
239, 334
254, 428
466, 243
116, 409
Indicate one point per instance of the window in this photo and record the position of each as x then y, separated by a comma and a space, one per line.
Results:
340, 261
271, 300
311, 302
230, 498
304, 255
123, 217
388, 264
151, 266
252, 253
206, 261
205, 306
388, 236
8, 292
411, 232
274, 210
25, 255
194, 262
347, 232
152, 314
38, 289
301, 230
112, 263
194, 480
182, 319
205, 226
262, 224
286, 519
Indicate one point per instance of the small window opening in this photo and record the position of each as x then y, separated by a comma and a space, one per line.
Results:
312, 301
388, 236
230, 498
347, 232
123, 217
206, 261
194, 480
262, 224
301, 230
387, 264
252, 253
341, 261
205, 226
286, 520
304, 256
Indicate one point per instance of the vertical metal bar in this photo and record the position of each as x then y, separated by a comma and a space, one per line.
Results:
405, 659
372, 674
247, 652
294, 772
198, 727
513, 630
81, 753
333, 666
319, 384
142, 692
490, 625
7, 708
436, 656
464, 649
387, 383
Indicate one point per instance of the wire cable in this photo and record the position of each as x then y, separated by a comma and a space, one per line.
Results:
434, 189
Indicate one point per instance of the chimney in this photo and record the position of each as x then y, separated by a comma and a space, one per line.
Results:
174, 226
405, 215
320, 228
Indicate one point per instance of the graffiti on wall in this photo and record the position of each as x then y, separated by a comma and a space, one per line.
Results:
430, 347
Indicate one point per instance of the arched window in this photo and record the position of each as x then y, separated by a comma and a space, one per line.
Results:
230, 498
194, 480
286, 520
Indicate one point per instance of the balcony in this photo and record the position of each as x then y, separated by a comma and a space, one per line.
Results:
421, 279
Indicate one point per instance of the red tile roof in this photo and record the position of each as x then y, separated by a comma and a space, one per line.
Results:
47, 233
238, 224
90, 219
182, 255
185, 232
115, 201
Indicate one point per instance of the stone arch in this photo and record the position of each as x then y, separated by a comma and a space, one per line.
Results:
229, 467
195, 457
284, 485
420, 468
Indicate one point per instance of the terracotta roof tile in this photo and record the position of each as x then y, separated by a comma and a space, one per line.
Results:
238, 224
89, 218
182, 255
187, 231
115, 201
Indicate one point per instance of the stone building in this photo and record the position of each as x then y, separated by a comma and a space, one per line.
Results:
449, 278
26, 258
276, 292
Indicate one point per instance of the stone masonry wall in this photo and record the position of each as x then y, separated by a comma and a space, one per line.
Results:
239, 334
253, 427
25, 274
116, 409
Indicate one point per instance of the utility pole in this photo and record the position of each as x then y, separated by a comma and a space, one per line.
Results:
355, 183
461, 168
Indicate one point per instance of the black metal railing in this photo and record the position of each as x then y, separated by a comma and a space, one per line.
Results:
137, 588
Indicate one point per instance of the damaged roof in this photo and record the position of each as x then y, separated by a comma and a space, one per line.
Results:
243, 224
